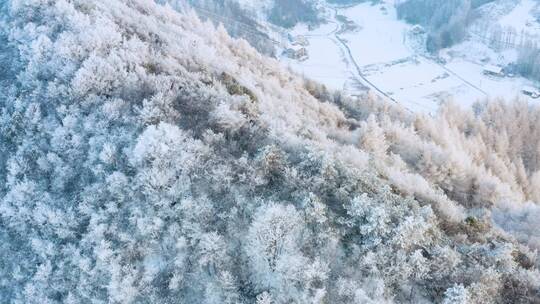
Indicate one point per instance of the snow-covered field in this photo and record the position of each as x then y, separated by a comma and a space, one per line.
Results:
326, 62
383, 57
380, 37
521, 18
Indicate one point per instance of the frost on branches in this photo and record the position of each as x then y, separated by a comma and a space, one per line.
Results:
147, 157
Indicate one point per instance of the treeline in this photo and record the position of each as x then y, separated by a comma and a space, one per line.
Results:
528, 62
445, 20
500, 38
238, 21
279, 12
287, 13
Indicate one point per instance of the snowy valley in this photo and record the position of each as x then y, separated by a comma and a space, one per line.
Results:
366, 46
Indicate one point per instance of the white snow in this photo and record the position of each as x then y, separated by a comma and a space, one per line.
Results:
521, 19
388, 59
495, 87
418, 83
325, 63
381, 37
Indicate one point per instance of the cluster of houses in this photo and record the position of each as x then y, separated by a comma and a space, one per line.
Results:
297, 49
496, 71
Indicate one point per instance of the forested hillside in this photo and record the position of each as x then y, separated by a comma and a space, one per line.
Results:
283, 13
236, 18
148, 157
287, 13
446, 20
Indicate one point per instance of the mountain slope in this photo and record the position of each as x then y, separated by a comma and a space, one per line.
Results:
148, 157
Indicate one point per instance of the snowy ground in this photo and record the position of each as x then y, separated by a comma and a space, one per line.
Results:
521, 18
326, 63
382, 56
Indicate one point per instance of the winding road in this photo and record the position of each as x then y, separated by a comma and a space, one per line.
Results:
343, 44
357, 70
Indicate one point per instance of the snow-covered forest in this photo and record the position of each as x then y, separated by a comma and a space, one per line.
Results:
446, 19
237, 19
148, 157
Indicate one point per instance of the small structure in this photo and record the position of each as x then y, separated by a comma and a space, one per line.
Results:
296, 52
444, 58
493, 70
485, 59
299, 41
417, 30
531, 91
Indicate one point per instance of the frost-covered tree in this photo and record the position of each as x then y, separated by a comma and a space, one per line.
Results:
446, 20
456, 295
